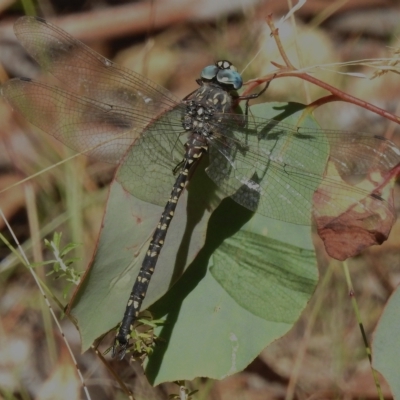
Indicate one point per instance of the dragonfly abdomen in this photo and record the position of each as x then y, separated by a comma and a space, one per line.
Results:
195, 147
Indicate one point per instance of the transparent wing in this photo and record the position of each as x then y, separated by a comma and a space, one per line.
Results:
106, 133
89, 74
267, 166
85, 125
147, 168
117, 116
275, 168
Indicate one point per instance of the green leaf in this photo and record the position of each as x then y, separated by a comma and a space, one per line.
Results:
249, 265
247, 278
385, 346
207, 332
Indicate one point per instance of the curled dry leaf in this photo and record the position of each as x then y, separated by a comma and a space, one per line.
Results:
362, 218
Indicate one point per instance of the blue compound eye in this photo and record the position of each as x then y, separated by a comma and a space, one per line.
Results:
209, 72
230, 77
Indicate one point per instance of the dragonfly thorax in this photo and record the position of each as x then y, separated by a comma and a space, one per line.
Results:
198, 118
205, 108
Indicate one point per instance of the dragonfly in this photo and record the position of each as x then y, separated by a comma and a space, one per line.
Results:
116, 115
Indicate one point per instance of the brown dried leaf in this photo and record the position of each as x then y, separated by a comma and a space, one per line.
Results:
362, 218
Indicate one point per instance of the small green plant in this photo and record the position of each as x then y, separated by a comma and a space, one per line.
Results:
143, 337
62, 266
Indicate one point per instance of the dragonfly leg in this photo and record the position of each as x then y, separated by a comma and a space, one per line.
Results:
253, 96
178, 166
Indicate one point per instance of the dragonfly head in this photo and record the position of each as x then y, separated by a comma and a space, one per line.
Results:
224, 74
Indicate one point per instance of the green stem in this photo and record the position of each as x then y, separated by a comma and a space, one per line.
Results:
361, 325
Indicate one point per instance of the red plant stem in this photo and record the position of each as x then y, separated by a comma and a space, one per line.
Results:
290, 70
275, 34
336, 94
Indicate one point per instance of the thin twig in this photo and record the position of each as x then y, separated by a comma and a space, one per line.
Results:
361, 325
39, 285
127, 391
275, 34
288, 70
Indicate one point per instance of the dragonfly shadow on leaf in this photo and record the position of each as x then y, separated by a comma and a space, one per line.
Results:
221, 226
